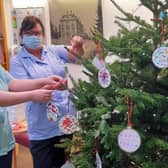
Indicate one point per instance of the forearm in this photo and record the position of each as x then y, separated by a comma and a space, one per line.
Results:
12, 98
26, 84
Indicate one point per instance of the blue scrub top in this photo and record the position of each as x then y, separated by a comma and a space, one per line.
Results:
7, 141
52, 62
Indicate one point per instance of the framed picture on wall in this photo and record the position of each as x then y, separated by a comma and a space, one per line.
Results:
72, 17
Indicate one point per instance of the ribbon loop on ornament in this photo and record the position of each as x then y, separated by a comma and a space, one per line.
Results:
130, 104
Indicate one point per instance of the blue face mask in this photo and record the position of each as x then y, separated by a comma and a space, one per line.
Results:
32, 42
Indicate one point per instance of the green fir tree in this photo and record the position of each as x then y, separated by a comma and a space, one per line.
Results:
104, 110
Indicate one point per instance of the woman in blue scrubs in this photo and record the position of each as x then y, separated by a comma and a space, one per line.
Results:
47, 123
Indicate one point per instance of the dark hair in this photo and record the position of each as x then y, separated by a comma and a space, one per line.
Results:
30, 22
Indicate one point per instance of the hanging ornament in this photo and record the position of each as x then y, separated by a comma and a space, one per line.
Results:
160, 57
129, 139
104, 77
68, 124
52, 112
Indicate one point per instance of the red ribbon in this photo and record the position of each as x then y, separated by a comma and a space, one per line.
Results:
163, 28
130, 104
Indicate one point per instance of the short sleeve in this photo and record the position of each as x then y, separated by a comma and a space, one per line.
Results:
5, 75
17, 68
61, 52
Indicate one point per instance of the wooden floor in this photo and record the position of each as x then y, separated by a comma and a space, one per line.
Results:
24, 159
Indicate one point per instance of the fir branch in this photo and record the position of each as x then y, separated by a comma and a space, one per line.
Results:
147, 4
123, 29
130, 17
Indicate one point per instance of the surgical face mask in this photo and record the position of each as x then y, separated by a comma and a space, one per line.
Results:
32, 42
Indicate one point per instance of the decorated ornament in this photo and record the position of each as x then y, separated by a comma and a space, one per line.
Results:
129, 139
68, 124
104, 77
160, 57
52, 112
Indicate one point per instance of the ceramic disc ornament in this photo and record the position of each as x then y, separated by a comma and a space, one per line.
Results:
160, 57
104, 78
52, 112
68, 124
129, 140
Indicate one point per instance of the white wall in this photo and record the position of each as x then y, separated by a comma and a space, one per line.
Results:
110, 11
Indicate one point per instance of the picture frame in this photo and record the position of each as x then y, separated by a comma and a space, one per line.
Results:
72, 17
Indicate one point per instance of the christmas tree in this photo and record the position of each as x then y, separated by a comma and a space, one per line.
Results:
136, 97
